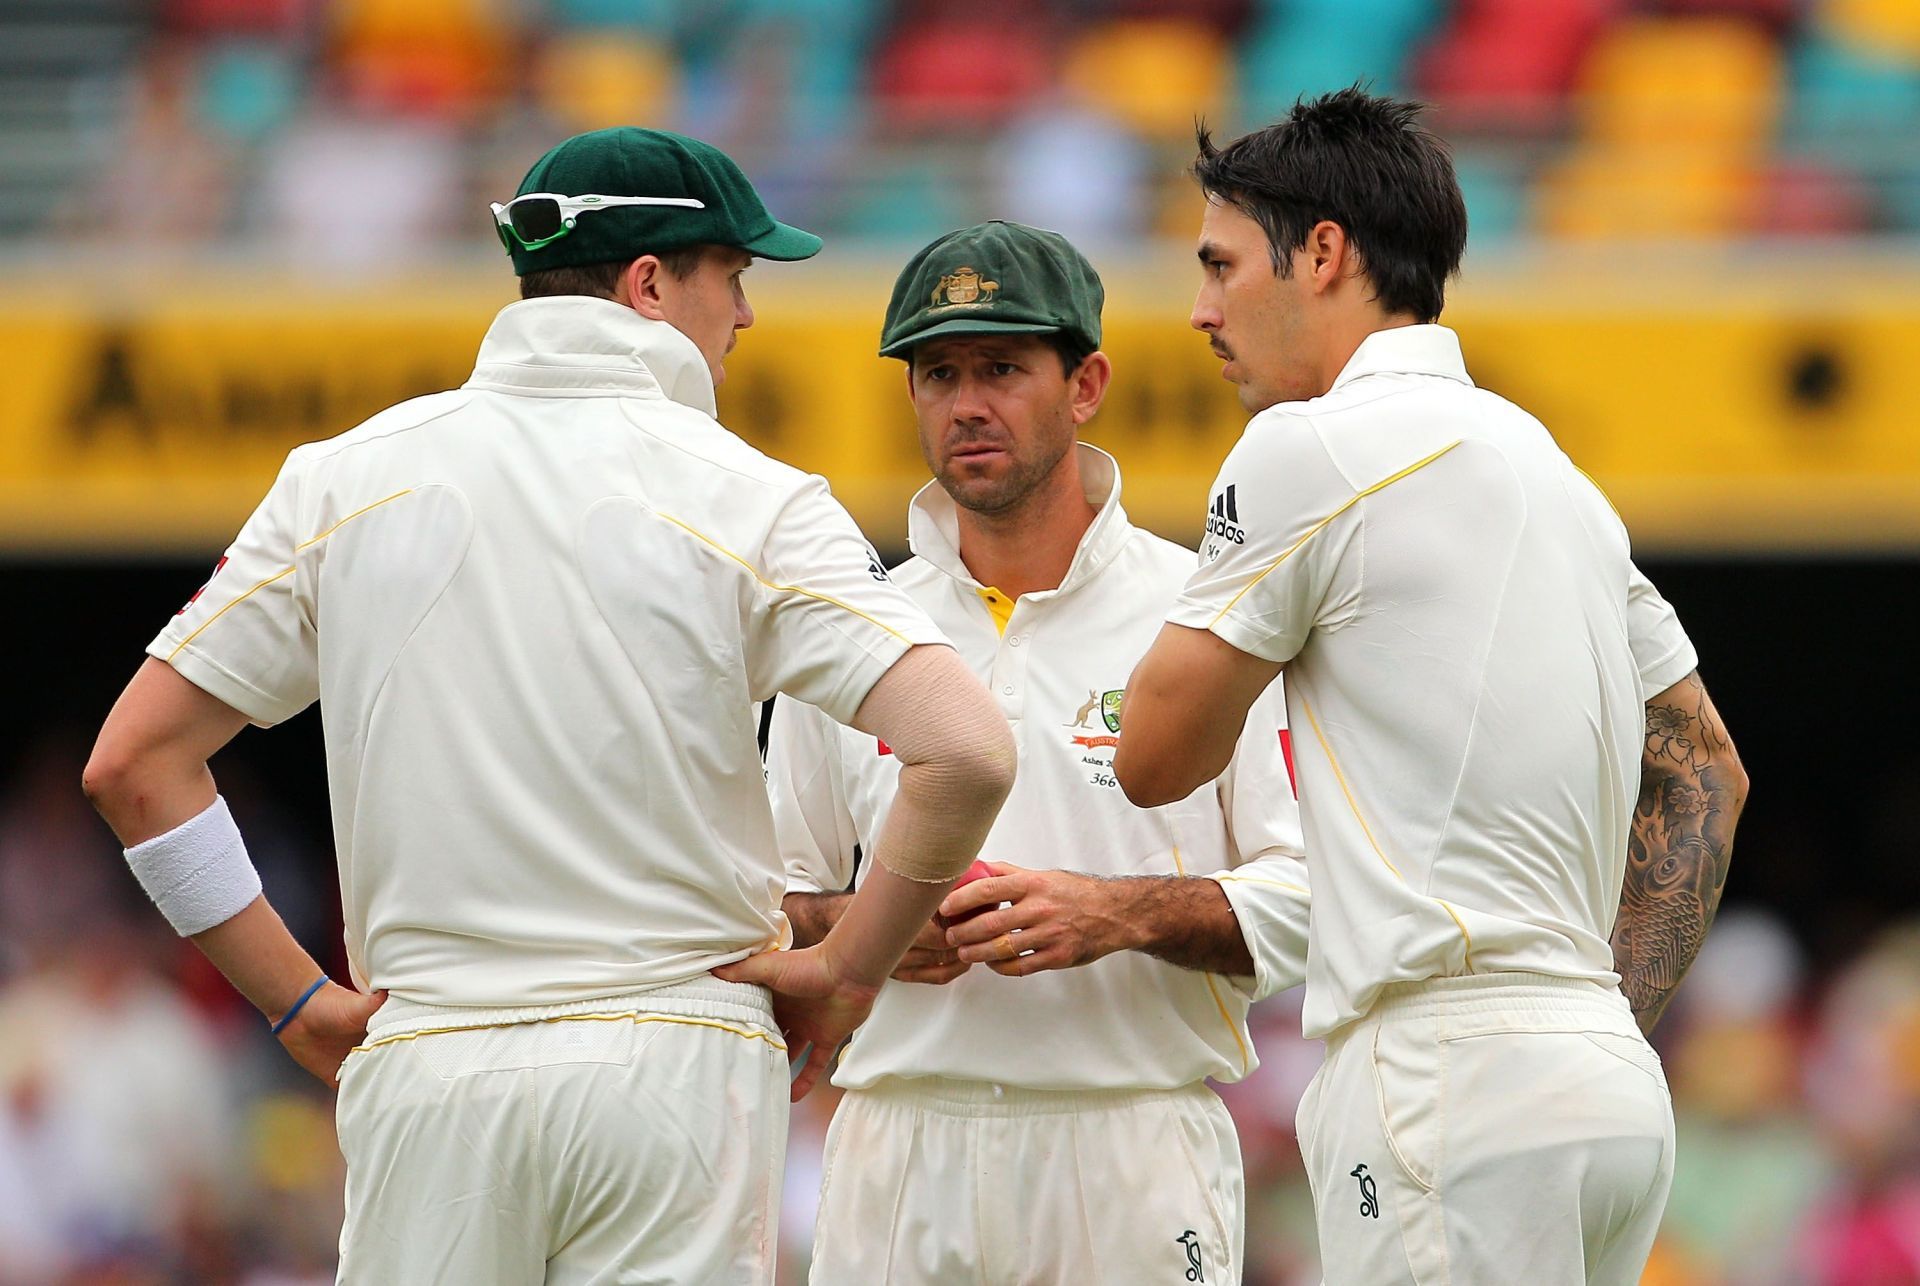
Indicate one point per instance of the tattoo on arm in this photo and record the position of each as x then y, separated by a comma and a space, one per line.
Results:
1692, 789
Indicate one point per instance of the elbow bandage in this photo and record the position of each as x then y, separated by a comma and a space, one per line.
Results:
198, 873
956, 760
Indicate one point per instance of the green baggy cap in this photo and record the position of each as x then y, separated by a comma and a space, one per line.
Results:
994, 277
629, 161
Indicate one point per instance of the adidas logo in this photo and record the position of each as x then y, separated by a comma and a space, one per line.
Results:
1223, 520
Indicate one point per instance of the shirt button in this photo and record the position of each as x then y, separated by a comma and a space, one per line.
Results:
1014, 641
1008, 689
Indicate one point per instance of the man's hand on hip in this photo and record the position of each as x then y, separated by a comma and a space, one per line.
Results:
815, 1007
327, 1028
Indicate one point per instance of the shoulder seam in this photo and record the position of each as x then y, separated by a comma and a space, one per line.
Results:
327, 448
1320, 526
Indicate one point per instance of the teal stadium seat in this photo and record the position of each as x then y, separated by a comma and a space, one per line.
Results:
1860, 107
247, 89
1496, 198
1294, 48
653, 17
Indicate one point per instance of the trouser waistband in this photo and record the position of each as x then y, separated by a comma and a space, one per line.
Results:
947, 1097
707, 997
1513, 1001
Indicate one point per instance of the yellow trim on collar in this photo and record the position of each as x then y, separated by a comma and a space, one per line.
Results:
999, 605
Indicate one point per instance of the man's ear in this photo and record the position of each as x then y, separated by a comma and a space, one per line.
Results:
1090, 383
1328, 255
640, 287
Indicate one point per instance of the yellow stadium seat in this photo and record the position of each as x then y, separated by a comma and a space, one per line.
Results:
1154, 74
1645, 192
1891, 26
382, 21
438, 56
1714, 83
593, 80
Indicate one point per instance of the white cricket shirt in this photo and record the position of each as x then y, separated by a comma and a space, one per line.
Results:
1058, 663
537, 611
1469, 649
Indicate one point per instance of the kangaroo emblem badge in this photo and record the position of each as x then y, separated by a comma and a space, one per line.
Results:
1191, 1241
1369, 1195
1093, 703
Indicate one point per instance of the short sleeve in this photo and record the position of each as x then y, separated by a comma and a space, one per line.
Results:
830, 621
1279, 523
1661, 648
246, 637
806, 783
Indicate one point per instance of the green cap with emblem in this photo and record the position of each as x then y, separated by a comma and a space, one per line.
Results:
994, 278
703, 199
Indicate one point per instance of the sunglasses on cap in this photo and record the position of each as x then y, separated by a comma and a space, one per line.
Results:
541, 218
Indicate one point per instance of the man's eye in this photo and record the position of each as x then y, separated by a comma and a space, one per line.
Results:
1004, 368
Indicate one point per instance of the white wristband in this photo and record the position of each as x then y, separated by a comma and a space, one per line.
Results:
198, 873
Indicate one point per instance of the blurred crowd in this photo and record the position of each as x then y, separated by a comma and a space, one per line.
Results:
152, 1134
342, 134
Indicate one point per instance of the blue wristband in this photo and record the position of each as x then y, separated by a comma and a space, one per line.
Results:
298, 1005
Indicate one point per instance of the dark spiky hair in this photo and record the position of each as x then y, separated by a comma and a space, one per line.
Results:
1362, 161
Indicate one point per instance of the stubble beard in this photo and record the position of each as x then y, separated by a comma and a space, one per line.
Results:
1002, 498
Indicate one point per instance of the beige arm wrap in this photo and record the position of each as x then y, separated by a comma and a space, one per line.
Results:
956, 763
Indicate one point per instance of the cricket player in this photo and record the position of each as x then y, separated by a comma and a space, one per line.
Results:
1471, 658
536, 612
1043, 1116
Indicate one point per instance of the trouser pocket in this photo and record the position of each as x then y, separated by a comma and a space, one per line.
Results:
1409, 1076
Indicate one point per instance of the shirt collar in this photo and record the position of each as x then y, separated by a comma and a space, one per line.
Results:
580, 346
1406, 350
933, 526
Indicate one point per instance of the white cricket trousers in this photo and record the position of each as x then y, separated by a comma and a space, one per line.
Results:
933, 1182
632, 1139
1507, 1129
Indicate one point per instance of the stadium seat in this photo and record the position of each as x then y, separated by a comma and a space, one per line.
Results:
1712, 83
1892, 26
1500, 61
950, 74
1298, 48
1495, 197
247, 89
1777, 16
1846, 92
915, 203
236, 17
593, 80
1811, 197
437, 58
1645, 191
655, 17
1154, 76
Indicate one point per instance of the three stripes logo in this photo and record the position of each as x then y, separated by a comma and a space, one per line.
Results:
1223, 520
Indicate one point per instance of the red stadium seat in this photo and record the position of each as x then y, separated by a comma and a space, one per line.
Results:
958, 74
1502, 59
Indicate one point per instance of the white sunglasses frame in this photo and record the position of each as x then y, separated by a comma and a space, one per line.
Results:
572, 207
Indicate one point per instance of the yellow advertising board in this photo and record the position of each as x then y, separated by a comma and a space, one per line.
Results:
1720, 410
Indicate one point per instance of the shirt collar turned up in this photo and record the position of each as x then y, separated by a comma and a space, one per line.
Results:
579, 346
1406, 350
933, 526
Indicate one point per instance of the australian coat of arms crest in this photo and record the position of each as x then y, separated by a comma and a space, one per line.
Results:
964, 285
